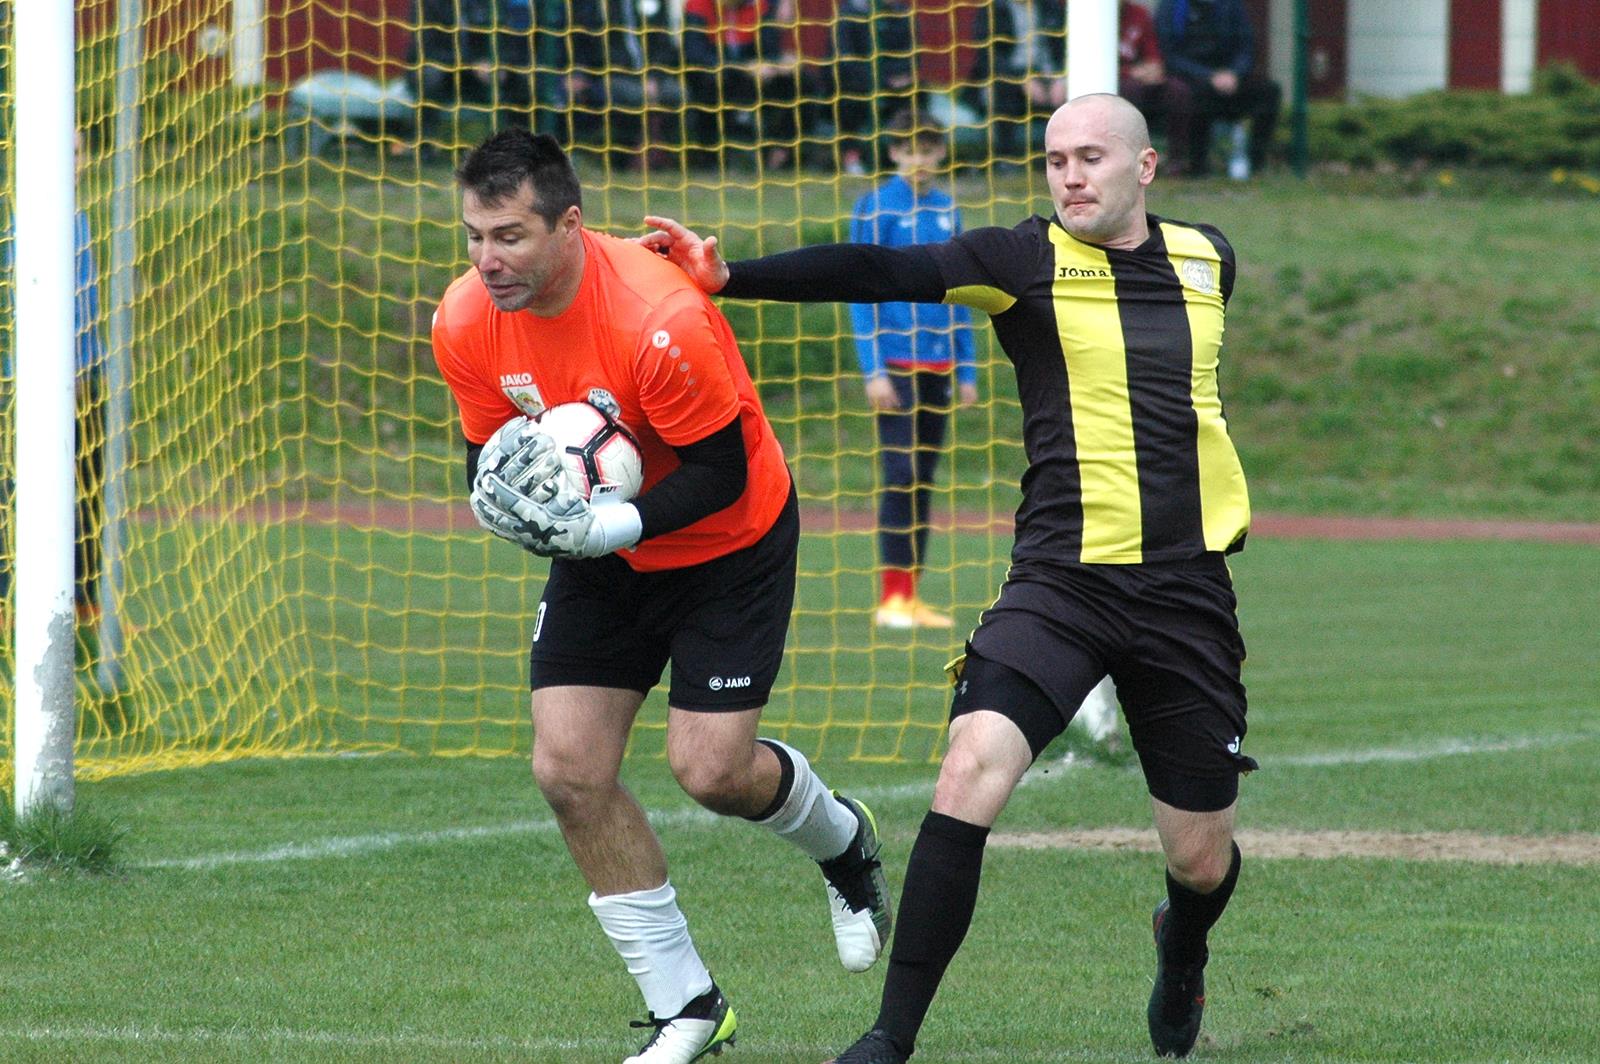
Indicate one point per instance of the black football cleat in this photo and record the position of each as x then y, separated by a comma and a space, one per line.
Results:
1178, 998
874, 1047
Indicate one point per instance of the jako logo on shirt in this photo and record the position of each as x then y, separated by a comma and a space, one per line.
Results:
661, 339
717, 683
513, 380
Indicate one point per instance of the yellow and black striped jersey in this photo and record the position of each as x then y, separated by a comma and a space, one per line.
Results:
1116, 356
1116, 351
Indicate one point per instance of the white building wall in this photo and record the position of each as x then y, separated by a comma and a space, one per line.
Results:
1519, 42
1398, 47
1280, 44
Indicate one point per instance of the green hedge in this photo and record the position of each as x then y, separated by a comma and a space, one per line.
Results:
1556, 125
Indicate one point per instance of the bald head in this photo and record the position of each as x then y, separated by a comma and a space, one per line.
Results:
1098, 161
1109, 114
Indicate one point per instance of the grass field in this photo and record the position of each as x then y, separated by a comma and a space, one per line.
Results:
401, 908
1433, 352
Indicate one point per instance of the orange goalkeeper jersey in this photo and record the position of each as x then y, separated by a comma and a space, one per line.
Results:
641, 333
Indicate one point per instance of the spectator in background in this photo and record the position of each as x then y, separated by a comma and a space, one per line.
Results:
994, 82
874, 45
1210, 46
607, 82
1021, 60
90, 392
907, 353
1046, 36
742, 75
1142, 80
471, 52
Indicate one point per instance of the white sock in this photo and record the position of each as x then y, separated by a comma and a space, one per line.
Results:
651, 935
810, 817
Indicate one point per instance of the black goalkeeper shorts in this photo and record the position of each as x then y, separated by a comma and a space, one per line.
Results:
721, 623
1168, 636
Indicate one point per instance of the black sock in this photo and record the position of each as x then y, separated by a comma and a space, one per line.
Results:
785, 781
1183, 935
936, 903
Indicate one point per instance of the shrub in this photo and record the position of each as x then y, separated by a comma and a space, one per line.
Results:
1556, 125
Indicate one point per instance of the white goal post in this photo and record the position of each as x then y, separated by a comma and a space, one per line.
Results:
45, 119
1092, 67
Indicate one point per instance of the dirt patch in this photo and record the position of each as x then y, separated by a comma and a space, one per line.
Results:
1405, 846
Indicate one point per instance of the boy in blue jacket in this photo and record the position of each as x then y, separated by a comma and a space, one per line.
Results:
908, 352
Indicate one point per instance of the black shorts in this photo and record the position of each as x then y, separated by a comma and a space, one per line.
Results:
1168, 636
722, 623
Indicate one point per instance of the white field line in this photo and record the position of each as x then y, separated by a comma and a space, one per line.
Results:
1432, 751
401, 1042
357, 845
140, 1034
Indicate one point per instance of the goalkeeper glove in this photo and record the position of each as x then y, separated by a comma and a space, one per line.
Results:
519, 454
554, 521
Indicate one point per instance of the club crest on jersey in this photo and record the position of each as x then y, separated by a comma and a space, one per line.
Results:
1199, 275
523, 393
606, 402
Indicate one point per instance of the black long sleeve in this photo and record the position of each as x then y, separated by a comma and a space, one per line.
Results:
839, 273
711, 478
473, 451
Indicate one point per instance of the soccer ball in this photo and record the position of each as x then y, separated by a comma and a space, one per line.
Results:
598, 455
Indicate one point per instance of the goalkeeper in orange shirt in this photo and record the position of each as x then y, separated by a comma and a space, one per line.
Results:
698, 569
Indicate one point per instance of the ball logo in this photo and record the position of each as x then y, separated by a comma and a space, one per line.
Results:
661, 338
603, 400
1199, 275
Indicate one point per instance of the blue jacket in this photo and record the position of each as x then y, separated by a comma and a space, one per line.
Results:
91, 351
1199, 36
910, 334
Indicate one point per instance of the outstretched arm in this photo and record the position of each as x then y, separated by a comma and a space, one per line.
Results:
824, 273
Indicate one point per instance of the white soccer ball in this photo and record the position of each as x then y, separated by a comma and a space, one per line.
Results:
598, 454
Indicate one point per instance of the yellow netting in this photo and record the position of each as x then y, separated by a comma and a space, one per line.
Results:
296, 570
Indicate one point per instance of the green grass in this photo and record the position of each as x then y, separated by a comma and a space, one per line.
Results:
412, 908
1432, 353
50, 840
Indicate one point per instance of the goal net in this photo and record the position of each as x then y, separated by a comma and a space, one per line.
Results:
272, 514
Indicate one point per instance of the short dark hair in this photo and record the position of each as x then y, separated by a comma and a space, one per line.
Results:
498, 168
910, 124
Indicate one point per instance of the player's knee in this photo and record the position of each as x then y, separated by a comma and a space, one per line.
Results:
1200, 868
969, 767
570, 788
718, 787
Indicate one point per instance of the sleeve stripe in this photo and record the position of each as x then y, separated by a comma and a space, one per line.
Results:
982, 297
